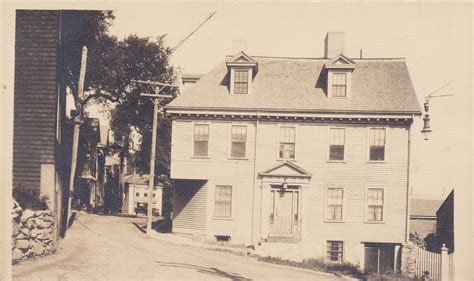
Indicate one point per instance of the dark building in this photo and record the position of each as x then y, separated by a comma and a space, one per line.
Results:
445, 222
42, 130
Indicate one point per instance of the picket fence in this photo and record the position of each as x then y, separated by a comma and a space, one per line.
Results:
433, 263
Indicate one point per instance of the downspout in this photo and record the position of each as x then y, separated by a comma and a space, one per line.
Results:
254, 177
407, 220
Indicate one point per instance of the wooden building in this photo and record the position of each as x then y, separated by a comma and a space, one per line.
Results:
42, 130
307, 150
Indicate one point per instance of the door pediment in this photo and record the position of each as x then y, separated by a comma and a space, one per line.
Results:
286, 169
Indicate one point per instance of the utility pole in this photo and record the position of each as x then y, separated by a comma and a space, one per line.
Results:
156, 99
75, 138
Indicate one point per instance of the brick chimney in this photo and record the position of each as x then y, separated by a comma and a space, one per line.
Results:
334, 44
239, 45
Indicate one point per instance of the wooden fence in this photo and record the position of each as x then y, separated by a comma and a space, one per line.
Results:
439, 266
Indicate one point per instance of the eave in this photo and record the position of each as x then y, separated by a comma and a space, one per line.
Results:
309, 117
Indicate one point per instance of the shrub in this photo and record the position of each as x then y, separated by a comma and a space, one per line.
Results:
29, 198
319, 264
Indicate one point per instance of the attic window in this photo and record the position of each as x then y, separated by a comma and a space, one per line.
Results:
241, 81
242, 68
339, 76
339, 85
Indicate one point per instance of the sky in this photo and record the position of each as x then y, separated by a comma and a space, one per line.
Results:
434, 38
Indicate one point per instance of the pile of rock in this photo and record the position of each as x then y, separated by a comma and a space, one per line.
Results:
408, 266
32, 233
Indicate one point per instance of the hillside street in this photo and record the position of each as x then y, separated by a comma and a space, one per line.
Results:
110, 247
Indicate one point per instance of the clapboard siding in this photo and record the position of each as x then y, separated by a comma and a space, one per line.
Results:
189, 208
355, 175
36, 93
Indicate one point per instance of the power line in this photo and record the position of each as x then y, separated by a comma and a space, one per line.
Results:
190, 34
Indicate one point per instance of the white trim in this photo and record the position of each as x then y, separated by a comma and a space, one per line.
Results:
208, 140
366, 205
348, 72
231, 217
290, 125
328, 144
249, 77
385, 160
253, 112
326, 220
245, 157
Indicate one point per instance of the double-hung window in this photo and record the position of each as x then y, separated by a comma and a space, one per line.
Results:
287, 142
334, 204
334, 250
337, 138
339, 85
239, 141
374, 204
201, 139
241, 81
377, 144
223, 201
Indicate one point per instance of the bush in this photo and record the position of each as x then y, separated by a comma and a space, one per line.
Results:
319, 264
29, 198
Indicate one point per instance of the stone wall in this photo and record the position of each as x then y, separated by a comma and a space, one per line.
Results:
408, 266
32, 233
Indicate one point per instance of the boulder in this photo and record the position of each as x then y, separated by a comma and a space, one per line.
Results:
48, 234
40, 223
27, 214
48, 218
22, 244
25, 231
35, 232
38, 249
30, 223
17, 254
21, 236
15, 229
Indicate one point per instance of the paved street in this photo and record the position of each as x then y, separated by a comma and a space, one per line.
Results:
109, 247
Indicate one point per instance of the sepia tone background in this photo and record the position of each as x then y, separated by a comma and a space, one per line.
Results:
434, 38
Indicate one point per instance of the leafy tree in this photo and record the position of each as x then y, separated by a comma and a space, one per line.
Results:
112, 65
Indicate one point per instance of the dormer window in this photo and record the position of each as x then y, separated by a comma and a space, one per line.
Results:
339, 85
241, 68
241, 81
339, 74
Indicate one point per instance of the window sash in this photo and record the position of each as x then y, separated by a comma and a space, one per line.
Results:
336, 143
241, 82
334, 199
339, 84
223, 201
287, 143
238, 141
201, 140
334, 250
375, 197
377, 139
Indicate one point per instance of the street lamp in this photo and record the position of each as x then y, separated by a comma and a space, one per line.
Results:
426, 119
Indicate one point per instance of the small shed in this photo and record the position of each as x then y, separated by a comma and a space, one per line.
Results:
136, 192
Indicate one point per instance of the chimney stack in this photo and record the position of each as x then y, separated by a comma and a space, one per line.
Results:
334, 44
239, 45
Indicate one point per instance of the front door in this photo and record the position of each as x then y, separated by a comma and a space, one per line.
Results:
284, 210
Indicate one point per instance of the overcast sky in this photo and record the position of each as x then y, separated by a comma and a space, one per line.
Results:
434, 39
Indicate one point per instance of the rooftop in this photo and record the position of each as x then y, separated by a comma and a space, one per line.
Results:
379, 85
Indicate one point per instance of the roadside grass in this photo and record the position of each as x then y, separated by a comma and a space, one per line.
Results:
319, 264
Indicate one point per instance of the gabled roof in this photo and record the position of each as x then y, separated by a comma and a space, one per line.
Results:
424, 208
286, 169
241, 59
298, 84
340, 62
